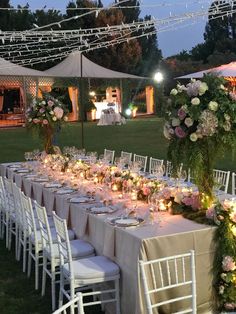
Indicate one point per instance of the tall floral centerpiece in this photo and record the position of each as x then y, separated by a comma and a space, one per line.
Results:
45, 116
201, 125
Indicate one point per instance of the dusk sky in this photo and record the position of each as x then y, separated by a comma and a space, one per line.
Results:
172, 41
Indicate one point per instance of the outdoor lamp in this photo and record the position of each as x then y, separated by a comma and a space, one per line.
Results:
158, 77
92, 94
128, 112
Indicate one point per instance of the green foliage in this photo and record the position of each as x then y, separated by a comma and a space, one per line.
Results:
211, 130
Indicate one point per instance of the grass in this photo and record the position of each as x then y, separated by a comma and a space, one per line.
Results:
141, 136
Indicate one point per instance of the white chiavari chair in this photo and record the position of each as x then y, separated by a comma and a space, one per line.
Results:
127, 157
87, 272
221, 178
155, 163
142, 160
233, 183
109, 155
21, 226
79, 249
164, 274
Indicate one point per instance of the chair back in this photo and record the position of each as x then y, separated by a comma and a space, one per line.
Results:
127, 157
9, 195
160, 276
233, 183
3, 205
29, 215
154, 164
109, 155
222, 178
44, 226
18, 205
142, 160
63, 241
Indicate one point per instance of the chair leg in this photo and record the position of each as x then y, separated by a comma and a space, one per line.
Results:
72, 296
19, 246
44, 276
117, 296
36, 269
53, 285
61, 292
29, 259
24, 252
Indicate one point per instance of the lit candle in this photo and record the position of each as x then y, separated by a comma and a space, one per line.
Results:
162, 206
134, 196
114, 188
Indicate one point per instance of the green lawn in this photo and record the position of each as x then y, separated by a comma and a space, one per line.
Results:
142, 136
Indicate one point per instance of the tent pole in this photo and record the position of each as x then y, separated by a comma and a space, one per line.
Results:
81, 102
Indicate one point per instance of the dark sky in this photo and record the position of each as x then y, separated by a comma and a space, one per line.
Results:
185, 36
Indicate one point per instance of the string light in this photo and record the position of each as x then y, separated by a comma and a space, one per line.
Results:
33, 46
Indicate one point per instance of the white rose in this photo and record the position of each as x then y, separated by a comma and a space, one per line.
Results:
175, 122
195, 101
54, 118
222, 87
203, 88
213, 105
227, 117
43, 102
193, 137
30, 119
51, 112
174, 92
65, 118
188, 122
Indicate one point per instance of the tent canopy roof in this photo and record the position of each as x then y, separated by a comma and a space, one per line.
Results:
226, 70
8, 68
71, 67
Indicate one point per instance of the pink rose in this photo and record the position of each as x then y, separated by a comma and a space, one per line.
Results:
180, 132
181, 114
42, 110
58, 112
146, 190
45, 122
36, 121
228, 263
230, 306
50, 103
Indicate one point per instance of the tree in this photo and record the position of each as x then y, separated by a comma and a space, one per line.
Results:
130, 10
5, 16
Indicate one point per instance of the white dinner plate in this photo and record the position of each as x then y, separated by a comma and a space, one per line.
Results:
127, 222
53, 185
41, 180
82, 199
15, 166
65, 191
102, 210
23, 171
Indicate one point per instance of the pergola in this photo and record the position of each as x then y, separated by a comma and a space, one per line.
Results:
27, 81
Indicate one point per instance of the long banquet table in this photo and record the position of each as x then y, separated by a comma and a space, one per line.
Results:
125, 246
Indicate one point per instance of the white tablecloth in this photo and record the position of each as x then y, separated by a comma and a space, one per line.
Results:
125, 246
111, 118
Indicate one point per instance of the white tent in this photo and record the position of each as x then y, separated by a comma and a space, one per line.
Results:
225, 70
8, 68
77, 65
